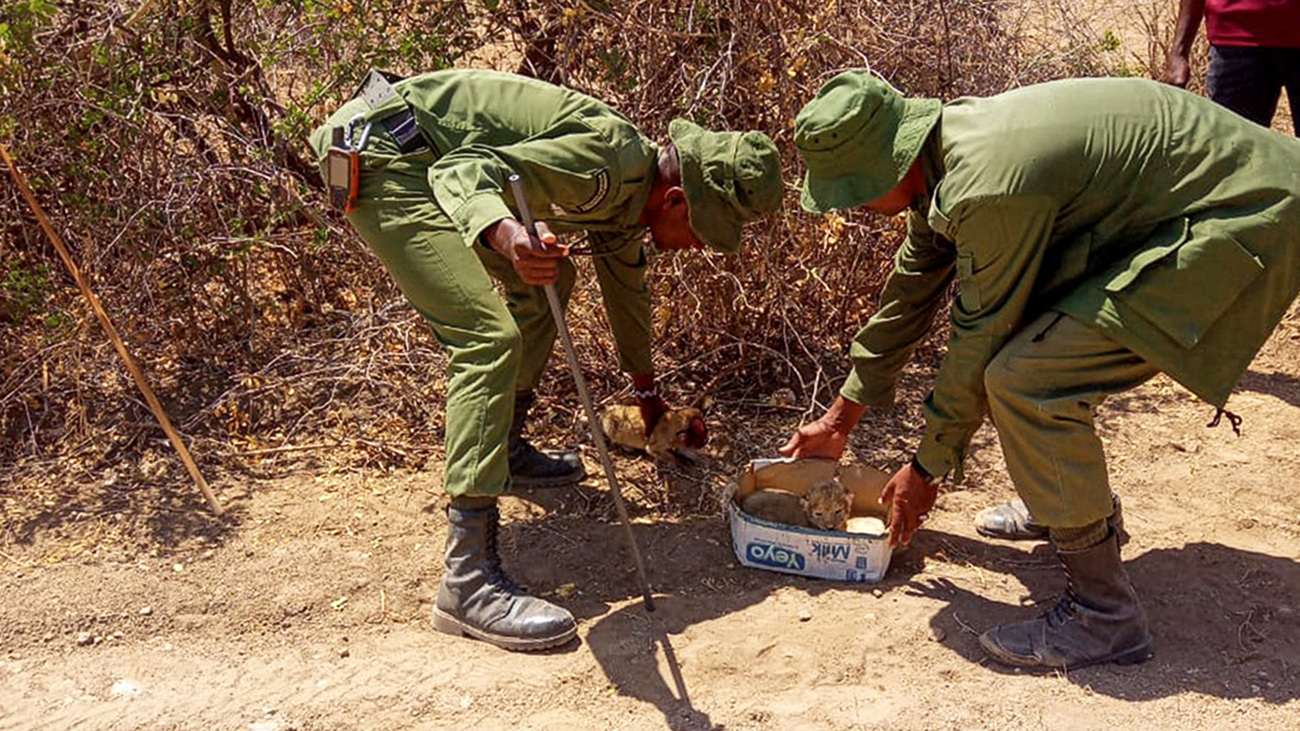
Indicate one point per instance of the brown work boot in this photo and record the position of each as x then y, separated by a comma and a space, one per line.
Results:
1011, 521
531, 467
1098, 619
476, 598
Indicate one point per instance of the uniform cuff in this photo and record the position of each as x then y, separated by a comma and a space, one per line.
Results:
478, 213
856, 391
938, 459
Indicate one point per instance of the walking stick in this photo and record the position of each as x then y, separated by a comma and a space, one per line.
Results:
597, 434
131, 366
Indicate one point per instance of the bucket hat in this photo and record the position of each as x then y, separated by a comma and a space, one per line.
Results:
728, 177
858, 137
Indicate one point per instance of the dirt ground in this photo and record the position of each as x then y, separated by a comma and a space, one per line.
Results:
308, 607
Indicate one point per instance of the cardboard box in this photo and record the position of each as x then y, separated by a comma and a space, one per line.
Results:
808, 551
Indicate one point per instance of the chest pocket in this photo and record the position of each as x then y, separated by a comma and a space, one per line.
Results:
1185, 279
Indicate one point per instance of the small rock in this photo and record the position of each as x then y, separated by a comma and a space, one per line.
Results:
85, 639
47, 637
804, 615
344, 652
938, 634
146, 611
877, 593
125, 688
178, 567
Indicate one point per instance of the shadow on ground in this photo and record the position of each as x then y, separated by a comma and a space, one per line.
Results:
1226, 621
589, 569
1279, 385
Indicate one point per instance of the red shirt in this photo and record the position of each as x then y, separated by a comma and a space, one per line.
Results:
1274, 23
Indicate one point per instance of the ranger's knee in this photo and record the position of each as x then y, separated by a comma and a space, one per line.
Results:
495, 343
999, 378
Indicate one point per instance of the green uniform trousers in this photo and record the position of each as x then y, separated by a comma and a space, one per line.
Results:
1042, 386
496, 347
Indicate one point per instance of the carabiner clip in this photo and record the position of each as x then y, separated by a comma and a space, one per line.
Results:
365, 133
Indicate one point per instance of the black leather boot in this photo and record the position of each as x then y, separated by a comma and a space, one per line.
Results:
476, 598
1011, 521
530, 467
1098, 619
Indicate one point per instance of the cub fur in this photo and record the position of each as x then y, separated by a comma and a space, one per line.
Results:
825, 506
677, 433
828, 504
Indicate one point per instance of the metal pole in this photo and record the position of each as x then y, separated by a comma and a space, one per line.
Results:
597, 434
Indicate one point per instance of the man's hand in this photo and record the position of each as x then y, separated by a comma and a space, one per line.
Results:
1178, 71
539, 267
913, 496
828, 436
653, 407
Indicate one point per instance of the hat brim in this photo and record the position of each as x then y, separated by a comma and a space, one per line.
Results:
711, 220
826, 194
823, 195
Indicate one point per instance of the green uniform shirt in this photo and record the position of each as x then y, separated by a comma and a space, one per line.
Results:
1159, 217
584, 168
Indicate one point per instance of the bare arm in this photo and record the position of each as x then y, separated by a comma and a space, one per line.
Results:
1178, 70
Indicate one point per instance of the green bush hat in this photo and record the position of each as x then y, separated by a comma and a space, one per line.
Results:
728, 177
858, 137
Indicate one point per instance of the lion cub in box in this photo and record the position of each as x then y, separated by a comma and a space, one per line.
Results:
825, 506
678, 433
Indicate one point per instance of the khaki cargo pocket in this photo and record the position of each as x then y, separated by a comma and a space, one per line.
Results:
1185, 280
970, 289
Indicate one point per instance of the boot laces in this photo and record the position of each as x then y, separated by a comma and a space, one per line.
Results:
1062, 611
496, 574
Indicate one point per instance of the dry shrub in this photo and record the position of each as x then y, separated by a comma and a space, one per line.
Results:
169, 146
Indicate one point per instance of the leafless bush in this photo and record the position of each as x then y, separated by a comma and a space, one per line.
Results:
169, 146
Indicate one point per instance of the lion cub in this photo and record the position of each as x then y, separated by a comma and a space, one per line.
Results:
678, 432
828, 504
825, 506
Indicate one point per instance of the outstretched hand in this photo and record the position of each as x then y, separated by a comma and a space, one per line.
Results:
537, 266
828, 436
912, 495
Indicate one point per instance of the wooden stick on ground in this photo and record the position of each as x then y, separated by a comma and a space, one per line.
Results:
107, 324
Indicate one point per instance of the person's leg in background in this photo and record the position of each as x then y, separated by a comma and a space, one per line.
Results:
1245, 80
1287, 61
